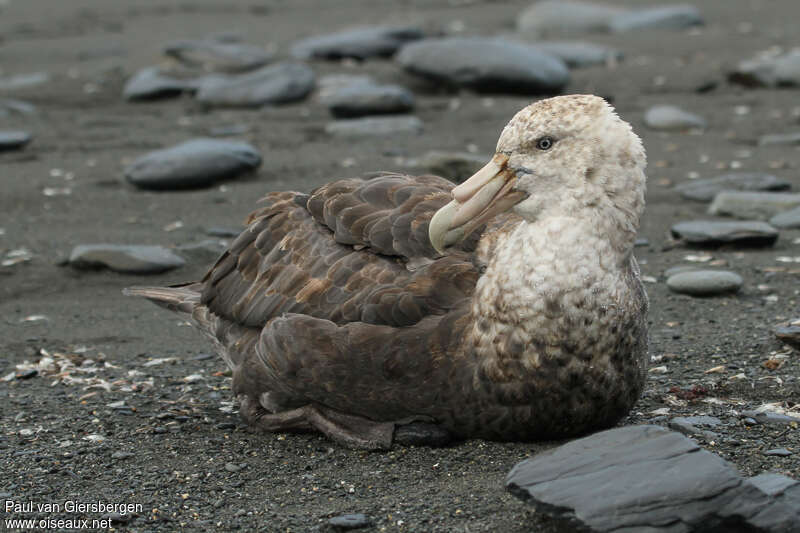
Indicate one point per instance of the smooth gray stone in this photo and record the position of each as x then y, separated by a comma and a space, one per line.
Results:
555, 16
128, 259
196, 163
772, 419
455, 166
705, 282
13, 140
787, 219
688, 427
578, 54
10, 105
668, 117
349, 521
485, 65
151, 82
778, 452
704, 190
374, 126
672, 17
711, 232
276, 84
363, 99
357, 43
649, 479
23, 81
789, 334
779, 138
218, 56
752, 205
769, 71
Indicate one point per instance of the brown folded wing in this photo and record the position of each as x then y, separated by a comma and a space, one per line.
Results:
354, 250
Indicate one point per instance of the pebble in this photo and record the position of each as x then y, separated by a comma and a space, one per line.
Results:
151, 83
349, 521
779, 138
752, 205
118, 518
704, 190
357, 43
672, 17
787, 219
10, 105
455, 166
555, 16
769, 418
122, 455
27, 374
276, 84
485, 65
127, 259
789, 334
196, 163
374, 126
13, 140
159, 430
23, 81
647, 478
218, 56
769, 70
578, 54
668, 117
705, 282
778, 452
710, 232
226, 425
688, 426
362, 99
230, 467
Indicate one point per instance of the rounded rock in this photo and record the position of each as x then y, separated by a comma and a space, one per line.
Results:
705, 282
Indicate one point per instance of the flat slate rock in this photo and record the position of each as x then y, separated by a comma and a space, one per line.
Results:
649, 479
127, 259
152, 82
192, 164
769, 70
752, 205
23, 81
13, 140
20, 107
668, 117
357, 43
374, 126
670, 17
276, 84
705, 282
704, 190
787, 219
363, 99
485, 65
780, 138
218, 56
455, 166
578, 54
714, 233
555, 16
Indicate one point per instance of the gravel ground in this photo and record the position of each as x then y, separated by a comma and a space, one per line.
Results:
133, 410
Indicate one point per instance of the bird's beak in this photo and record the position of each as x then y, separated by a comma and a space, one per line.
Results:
488, 192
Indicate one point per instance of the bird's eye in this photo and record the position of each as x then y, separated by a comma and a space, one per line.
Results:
545, 143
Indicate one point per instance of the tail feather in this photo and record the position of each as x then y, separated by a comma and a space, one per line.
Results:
180, 298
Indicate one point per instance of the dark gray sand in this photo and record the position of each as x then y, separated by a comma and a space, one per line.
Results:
165, 435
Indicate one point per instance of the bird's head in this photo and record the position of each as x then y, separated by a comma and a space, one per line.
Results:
568, 155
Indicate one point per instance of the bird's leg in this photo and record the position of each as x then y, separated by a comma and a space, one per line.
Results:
350, 431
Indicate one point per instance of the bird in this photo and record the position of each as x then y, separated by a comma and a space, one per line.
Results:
391, 309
